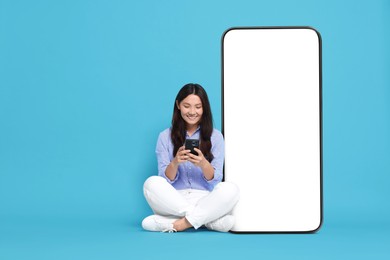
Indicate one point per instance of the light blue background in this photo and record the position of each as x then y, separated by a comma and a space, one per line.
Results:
86, 86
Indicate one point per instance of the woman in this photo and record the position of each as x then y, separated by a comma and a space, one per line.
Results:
188, 191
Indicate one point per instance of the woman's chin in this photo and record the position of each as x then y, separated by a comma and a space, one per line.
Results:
191, 123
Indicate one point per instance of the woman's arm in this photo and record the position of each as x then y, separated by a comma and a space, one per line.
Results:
200, 161
171, 170
208, 170
181, 156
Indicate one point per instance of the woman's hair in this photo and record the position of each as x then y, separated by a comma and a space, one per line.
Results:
178, 130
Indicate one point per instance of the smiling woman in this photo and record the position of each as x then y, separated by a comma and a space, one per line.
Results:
188, 191
191, 111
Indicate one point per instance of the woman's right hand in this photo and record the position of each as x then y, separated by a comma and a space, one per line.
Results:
181, 155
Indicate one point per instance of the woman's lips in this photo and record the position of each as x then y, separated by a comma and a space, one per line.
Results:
192, 117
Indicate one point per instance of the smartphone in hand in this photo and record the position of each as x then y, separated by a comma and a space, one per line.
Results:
190, 144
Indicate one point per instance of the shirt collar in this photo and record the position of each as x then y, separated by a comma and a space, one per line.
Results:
197, 129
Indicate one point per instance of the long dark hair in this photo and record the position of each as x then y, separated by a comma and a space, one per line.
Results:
178, 130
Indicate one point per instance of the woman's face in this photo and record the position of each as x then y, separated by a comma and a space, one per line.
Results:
191, 110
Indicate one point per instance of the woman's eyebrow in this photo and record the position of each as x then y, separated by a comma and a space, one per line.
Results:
199, 104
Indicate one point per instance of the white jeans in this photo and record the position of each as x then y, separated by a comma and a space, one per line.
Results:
198, 206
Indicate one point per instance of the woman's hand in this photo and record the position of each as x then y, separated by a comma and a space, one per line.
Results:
181, 155
199, 159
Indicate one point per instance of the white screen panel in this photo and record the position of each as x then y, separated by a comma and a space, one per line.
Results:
271, 124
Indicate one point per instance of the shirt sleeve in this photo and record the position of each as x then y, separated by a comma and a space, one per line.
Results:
162, 153
218, 151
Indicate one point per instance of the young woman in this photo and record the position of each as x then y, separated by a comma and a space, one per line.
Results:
188, 191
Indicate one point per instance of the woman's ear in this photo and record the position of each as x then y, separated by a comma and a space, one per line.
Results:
177, 105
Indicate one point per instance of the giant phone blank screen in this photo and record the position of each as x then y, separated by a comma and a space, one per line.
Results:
272, 127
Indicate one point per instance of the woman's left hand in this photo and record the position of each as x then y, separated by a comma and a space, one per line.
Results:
199, 159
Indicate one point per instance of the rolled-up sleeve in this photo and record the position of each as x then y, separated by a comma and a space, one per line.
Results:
163, 156
218, 151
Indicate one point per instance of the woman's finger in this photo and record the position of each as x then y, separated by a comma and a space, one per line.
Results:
199, 156
183, 157
198, 151
193, 158
192, 155
184, 152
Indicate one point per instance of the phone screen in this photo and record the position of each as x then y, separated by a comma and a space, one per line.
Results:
272, 127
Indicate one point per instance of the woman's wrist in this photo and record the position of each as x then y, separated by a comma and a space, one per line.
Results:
174, 163
208, 170
171, 170
204, 164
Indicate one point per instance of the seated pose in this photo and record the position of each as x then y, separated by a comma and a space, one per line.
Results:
188, 191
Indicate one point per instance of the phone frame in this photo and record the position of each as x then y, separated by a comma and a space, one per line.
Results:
192, 147
320, 119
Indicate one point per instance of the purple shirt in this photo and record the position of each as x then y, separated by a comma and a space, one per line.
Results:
190, 176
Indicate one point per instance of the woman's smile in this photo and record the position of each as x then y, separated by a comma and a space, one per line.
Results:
192, 117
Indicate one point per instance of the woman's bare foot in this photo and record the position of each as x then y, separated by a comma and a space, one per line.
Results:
181, 224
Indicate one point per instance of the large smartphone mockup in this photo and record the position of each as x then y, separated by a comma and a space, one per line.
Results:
272, 121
